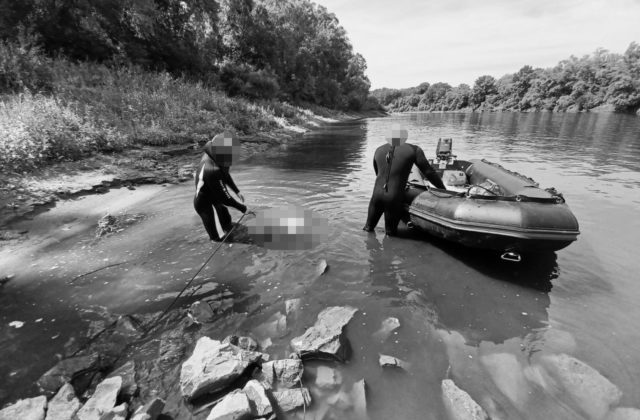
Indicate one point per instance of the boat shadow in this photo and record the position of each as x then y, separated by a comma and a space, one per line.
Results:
534, 271
477, 294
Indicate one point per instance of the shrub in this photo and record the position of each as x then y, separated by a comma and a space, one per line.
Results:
23, 67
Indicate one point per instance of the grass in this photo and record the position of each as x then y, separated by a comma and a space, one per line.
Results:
89, 107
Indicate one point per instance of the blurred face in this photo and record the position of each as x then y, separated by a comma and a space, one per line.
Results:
226, 149
397, 135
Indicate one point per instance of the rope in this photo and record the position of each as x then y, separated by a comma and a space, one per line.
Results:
162, 315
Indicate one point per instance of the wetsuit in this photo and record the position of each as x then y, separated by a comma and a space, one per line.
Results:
392, 165
212, 195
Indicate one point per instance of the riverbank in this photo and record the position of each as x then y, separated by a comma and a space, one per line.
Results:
22, 193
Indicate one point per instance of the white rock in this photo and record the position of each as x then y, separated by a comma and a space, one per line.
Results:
149, 411
507, 374
119, 412
624, 413
260, 404
128, 374
102, 400
459, 404
290, 399
558, 341
328, 378
64, 405
359, 398
326, 338
390, 361
27, 409
592, 392
388, 326
266, 376
287, 372
292, 306
234, 406
213, 366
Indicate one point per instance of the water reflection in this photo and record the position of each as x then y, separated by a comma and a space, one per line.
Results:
464, 290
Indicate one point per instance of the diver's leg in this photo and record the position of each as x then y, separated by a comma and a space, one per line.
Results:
205, 211
375, 212
391, 220
225, 217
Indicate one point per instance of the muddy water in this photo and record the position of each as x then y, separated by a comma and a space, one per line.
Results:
464, 314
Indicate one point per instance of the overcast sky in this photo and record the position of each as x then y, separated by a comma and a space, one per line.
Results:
407, 42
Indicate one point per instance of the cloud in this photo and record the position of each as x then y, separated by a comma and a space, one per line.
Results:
407, 42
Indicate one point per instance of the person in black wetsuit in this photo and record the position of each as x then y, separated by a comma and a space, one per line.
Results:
392, 163
213, 181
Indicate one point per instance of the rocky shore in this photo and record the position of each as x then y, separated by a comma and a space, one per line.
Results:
192, 375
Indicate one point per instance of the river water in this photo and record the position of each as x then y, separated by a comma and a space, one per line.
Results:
464, 314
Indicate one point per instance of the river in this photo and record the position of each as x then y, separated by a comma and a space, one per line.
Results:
464, 314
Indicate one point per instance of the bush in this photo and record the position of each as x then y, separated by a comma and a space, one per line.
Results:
23, 67
37, 129
243, 80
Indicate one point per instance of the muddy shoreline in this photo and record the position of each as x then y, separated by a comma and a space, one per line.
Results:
26, 194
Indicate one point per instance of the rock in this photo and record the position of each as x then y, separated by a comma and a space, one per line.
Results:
326, 338
234, 406
202, 312
119, 412
624, 413
102, 401
290, 399
390, 361
64, 405
459, 404
507, 374
288, 372
266, 376
558, 341
292, 306
322, 267
388, 326
328, 378
149, 411
66, 371
258, 400
592, 392
213, 366
342, 401
27, 409
128, 374
276, 326
536, 374
359, 398
245, 343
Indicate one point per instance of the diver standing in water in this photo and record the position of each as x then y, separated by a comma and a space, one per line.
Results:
392, 163
213, 181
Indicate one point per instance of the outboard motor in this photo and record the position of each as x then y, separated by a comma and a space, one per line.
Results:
444, 155
444, 149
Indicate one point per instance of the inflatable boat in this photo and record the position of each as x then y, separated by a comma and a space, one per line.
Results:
487, 206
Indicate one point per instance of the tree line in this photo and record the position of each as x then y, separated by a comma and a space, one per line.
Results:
290, 50
602, 79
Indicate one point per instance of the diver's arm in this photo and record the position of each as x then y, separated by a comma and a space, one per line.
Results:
229, 181
427, 171
230, 201
375, 166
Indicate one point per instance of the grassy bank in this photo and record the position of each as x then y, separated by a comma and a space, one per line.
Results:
87, 108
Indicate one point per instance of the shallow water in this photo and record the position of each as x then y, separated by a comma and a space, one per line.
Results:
464, 314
